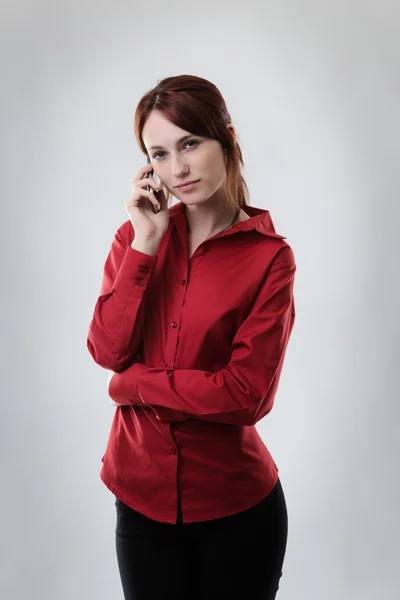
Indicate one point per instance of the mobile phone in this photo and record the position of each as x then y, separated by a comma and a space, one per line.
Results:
148, 187
149, 174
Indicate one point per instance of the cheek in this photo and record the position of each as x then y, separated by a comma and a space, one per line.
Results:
209, 164
159, 175
214, 167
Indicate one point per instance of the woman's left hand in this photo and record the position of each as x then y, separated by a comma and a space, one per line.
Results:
108, 385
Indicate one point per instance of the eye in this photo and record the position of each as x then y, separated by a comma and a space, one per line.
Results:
188, 142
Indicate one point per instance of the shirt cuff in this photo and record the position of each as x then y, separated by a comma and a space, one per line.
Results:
134, 273
123, 386
134, 376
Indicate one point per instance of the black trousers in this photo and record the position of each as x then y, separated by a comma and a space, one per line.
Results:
240, 556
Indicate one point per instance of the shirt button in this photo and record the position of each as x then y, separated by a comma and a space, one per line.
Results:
174, 324
183, 282
140, 282
173, 450
143, 269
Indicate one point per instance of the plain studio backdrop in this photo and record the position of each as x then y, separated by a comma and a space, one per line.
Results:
313, 90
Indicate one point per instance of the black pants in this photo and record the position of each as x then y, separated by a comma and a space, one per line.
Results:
239, 556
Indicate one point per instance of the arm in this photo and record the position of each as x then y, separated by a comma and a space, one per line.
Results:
168, 414
242, 392
115, 329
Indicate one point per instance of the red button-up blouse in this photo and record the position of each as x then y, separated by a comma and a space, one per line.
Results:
197, 348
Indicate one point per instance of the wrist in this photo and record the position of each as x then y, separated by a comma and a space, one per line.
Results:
146, 246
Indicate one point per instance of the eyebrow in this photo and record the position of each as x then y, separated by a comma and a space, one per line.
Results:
182, 139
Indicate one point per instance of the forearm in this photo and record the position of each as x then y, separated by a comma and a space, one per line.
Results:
125, 393
115, 330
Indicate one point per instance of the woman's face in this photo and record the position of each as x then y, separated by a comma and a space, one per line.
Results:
177, 161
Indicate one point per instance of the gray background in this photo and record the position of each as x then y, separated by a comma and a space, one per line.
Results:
313, 90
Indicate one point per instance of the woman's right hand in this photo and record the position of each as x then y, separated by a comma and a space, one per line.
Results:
146, 223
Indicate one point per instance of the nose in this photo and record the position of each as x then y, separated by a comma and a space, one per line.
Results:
178, 168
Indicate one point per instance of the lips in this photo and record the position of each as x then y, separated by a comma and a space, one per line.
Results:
187, 183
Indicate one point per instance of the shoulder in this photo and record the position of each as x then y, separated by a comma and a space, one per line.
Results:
276, 245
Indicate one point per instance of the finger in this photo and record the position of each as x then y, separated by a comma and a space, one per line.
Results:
142, 173
152, 182
150, 195
145, 169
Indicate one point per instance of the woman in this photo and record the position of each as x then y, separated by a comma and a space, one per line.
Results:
193, 319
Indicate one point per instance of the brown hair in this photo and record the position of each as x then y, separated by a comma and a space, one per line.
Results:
196, 105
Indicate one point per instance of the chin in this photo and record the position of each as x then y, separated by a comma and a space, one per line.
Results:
195, 197
191, 199
194, 202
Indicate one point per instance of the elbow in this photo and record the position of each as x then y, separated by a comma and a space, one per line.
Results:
259, 410
108, 360
247, 418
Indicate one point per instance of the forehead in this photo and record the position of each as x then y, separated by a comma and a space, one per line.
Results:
158, 131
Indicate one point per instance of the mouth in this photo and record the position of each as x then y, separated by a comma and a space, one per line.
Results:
187, 186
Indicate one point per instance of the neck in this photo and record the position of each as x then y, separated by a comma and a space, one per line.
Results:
206, 221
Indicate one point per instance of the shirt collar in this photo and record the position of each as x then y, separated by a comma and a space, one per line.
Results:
260, 220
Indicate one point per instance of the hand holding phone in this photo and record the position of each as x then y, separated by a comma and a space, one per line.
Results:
147, 208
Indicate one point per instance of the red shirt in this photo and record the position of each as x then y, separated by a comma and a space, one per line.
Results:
197, 349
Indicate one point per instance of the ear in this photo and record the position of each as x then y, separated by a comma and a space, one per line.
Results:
232, 133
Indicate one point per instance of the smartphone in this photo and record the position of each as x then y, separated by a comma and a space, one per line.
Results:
149, 188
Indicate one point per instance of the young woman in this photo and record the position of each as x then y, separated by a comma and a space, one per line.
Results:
193, 320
